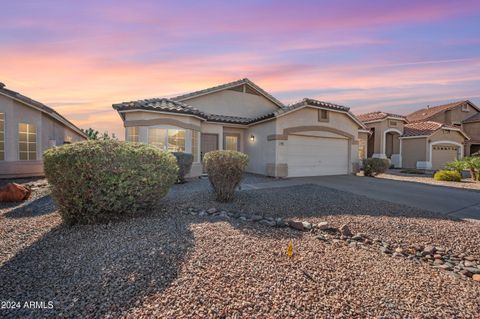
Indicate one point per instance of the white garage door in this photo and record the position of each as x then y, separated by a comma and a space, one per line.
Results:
316, 156
442, 154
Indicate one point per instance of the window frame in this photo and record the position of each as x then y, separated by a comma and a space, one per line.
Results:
166, 141
327, 115
128, 135
237, 135
28, 142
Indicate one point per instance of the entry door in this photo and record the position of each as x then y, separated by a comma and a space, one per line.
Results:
209, 143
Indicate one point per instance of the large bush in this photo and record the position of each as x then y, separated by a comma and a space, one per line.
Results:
184, 162
449, 176
98, 181
225, 170
375, 166
456, 165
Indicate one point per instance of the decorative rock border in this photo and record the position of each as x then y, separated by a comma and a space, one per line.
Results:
458, 265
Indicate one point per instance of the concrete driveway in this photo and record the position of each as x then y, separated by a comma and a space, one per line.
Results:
448, 201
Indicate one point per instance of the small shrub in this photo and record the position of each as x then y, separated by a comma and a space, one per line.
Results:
375, 166
184, 162
449, 176
456, 165
99, 181
225, 170
472, 163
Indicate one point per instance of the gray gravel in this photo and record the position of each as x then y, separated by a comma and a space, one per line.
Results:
174, 265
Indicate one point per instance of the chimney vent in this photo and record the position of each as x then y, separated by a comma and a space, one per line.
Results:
428, 106
2, 85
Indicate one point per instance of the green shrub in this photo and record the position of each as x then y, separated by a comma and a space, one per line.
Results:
456, 165
184, 162
225, 170
449, 176
99, 181
375, 166
472, 163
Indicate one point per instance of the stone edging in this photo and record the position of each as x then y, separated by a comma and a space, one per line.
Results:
458, 265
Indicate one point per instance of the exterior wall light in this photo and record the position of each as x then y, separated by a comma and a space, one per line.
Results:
252, 138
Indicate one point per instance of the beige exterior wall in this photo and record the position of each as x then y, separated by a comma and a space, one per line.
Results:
363, 141
234, 103
413, 150
455, 115
261, 151
380, 128
49, 131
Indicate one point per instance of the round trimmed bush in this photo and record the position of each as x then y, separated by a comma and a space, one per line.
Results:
449, 176
375, 166
99, 181
184, 162
225, 170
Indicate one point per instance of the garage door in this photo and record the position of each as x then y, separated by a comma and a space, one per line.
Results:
442, 154
315, 156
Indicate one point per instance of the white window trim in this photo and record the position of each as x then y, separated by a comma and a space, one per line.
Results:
36, 142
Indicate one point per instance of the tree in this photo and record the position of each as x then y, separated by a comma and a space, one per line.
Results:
91, 133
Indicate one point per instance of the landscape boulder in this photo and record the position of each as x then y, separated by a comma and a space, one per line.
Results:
13, 192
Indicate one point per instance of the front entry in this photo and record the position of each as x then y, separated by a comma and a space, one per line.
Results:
209, 142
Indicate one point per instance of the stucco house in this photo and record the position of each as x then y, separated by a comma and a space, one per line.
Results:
462, 114
425, 139
27, 129
308, 138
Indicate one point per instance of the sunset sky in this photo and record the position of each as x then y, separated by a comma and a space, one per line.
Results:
79, 57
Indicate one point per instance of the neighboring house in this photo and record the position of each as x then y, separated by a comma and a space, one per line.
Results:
420, 140
307, 138
461, 114
27, 129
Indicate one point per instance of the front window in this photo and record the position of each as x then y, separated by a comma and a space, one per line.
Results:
27, 142
231, 143
176, 140
132, 134
167, 139
2, 136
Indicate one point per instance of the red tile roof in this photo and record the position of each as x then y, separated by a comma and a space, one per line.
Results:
426, 128
373, 116
427, 113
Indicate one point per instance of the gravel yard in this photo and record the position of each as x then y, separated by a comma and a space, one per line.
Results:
173, 264
466, 183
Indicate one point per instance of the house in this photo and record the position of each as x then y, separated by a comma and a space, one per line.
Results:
307, 138
462, 114
425, 139
27, 129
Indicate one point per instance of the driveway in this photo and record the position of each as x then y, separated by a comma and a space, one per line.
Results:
453, 202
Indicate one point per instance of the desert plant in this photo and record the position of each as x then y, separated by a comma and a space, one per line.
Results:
375, 166
448, 175
184, 162
99, 181
472, 163
456, 165
225, 170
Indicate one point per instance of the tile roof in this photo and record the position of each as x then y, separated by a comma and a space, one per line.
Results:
425, 128
42, 107
427, 113
171, 106
225, 86
378, 115
471, 119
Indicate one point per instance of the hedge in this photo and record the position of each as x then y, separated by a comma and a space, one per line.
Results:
375, 166
184, 162
447, 175
99, 181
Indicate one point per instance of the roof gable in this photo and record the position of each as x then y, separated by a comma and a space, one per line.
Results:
245, 84
41, 107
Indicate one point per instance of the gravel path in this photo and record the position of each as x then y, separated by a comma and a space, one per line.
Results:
466, 183
173, 265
